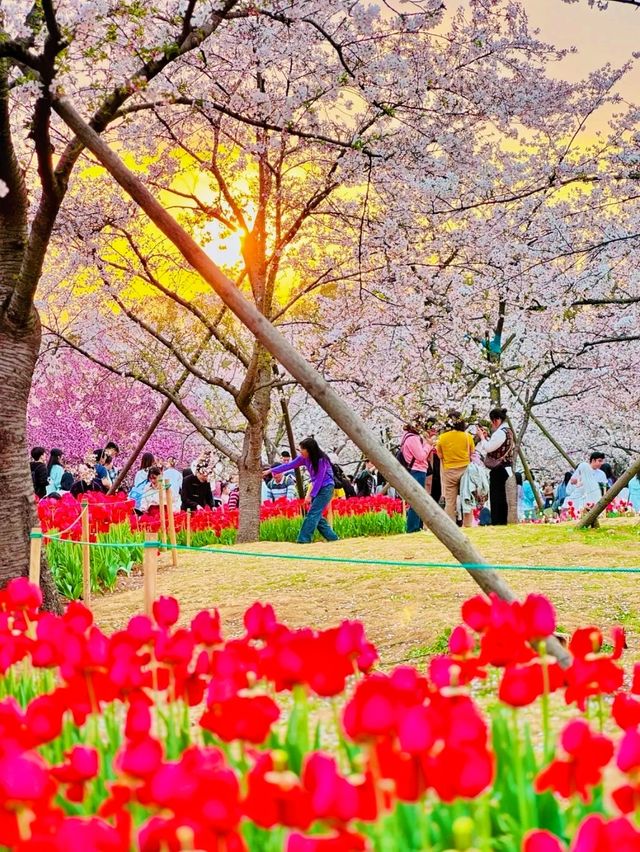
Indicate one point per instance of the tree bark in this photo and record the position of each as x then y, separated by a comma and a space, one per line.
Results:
250, 464
18, 352
591, 518
19, 346
340, 411
250, 483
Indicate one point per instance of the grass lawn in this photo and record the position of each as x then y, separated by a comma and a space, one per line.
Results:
406, 611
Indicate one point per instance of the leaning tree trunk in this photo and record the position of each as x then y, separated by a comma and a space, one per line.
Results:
339, 411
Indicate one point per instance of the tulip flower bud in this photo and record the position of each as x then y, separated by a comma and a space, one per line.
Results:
280, 760
463, 828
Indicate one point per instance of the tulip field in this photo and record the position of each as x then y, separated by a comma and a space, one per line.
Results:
243, 727
163, 737
112, 522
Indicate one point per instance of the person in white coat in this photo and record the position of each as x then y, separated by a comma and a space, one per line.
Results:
587, 483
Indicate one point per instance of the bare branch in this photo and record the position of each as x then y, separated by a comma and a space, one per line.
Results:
211, 326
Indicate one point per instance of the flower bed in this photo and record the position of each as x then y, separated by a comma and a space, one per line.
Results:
113, 522
616, 509
166, 737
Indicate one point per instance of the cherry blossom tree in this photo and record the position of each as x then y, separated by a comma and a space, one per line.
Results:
103, 54
77, 406
298, 154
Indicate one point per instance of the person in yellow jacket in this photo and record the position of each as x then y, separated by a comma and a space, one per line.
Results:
454, 448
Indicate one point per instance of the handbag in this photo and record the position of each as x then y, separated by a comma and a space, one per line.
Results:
503, 456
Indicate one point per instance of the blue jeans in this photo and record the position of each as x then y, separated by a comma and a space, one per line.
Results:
314, 519
414, 521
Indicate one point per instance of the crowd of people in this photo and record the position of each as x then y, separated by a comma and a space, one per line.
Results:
467, 468
464, 467
55, 475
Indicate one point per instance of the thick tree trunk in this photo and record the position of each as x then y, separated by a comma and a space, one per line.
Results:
18, 353
19, 345
250, 464
250, 483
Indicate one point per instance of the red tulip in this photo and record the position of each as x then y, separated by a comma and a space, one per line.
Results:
581, 769
597, 835
140, 758
340, 841
275, 796
626, 711
166, 611
246, 718
523, 684
541, 841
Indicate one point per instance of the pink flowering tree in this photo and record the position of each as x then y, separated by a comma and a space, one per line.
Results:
77, 406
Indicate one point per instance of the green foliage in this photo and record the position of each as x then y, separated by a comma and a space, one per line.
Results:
124, 546
65, 560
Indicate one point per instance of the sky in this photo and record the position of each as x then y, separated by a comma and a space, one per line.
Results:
600, 36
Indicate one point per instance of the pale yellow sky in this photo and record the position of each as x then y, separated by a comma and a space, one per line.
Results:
600, 36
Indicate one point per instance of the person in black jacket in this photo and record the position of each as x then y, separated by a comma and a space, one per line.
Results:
196, 490
365, 482
39, 472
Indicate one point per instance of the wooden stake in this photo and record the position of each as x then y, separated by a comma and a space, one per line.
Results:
163, 518
86, 556
188, 527
172, 528
150, 571
35, 555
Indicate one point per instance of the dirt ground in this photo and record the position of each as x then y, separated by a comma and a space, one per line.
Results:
406, 610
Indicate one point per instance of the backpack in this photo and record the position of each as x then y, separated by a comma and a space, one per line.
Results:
136, 492
407, 465
503, 456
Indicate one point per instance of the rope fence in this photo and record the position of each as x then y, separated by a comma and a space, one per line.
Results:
165, 540
343, 560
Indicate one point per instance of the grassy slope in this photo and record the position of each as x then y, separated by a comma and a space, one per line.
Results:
406, 611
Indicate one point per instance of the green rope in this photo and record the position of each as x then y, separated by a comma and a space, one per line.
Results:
477, 566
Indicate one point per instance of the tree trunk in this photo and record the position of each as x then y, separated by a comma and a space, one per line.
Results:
511, 488
19, 346
250, 483
341, 412
250, 464
18, 352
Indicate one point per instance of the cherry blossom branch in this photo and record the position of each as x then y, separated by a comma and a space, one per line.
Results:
203, 430
288, 128
211, 326
21, 302
624, 300
185, 362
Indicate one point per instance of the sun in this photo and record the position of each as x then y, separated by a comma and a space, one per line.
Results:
223, 246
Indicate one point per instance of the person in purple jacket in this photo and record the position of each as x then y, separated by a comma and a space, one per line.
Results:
322, 486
